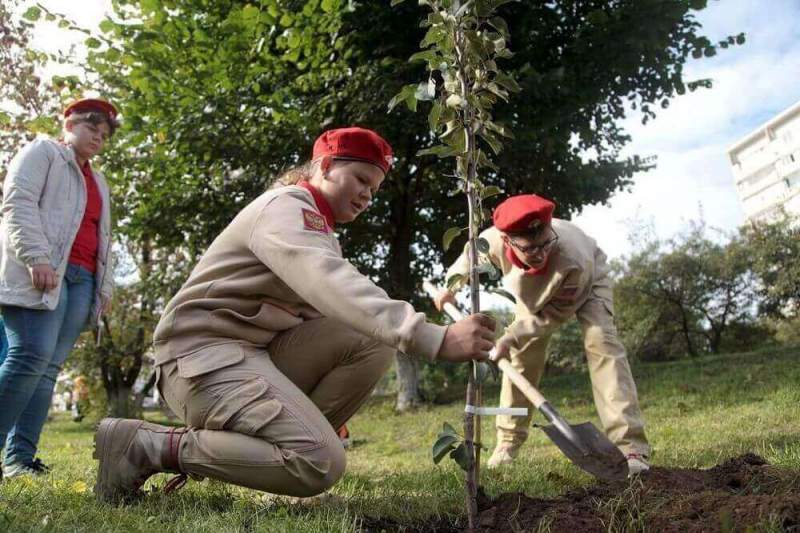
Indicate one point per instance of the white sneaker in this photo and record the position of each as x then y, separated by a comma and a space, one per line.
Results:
637, 464
504, 453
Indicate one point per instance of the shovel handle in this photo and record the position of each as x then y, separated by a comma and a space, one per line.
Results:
521, 383
516, 378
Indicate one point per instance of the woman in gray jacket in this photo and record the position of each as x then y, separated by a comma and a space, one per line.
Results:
55, 270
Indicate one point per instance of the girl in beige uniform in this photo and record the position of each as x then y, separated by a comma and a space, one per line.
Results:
556, 272
275, 340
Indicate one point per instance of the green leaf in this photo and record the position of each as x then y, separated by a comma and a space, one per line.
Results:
482, 245
329, 6
447, 429
460, 456
440, 150
33, 14
491, 140
91, 42
107, 25
396, 2
430, 56
454, 280
405, 93
456, 138
507, 82
500, 25
449, 235
491, 190
434, 115
443, 445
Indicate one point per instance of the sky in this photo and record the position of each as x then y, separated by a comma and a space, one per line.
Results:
693, 178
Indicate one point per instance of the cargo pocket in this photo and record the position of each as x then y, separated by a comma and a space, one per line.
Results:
245, 407
208, 359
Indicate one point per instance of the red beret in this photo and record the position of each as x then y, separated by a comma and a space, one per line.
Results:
357, 144
87, 105
524, 213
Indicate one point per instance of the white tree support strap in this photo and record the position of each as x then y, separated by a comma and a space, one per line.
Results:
493, 411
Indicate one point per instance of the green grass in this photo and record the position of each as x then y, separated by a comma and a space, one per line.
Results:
698, 413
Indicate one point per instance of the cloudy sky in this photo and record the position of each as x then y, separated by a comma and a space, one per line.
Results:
752, 83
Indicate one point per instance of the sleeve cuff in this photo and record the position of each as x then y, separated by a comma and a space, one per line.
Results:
39, 260
428, 340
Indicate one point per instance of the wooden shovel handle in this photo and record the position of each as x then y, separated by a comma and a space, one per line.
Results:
522, 384
516, 378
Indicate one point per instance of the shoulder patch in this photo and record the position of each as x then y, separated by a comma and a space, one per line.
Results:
314, 221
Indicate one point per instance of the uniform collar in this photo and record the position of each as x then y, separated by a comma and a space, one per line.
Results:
529, 271
322, 204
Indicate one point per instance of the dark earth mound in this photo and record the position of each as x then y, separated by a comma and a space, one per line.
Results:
743, 493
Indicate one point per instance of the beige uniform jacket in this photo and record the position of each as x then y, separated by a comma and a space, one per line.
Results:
277, 264
576, 267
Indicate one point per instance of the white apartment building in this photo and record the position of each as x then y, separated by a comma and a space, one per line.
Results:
766, 167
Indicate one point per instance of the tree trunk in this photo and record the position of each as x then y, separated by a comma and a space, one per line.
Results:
400, 287
142, 394
120, 402
408, 396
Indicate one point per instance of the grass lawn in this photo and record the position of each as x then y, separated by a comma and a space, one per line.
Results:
699, 413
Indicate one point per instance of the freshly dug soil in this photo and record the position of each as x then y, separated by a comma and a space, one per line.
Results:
742, 492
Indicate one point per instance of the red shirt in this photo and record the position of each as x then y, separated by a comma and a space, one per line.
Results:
84, 249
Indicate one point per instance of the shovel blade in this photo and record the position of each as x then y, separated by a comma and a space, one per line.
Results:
601, 458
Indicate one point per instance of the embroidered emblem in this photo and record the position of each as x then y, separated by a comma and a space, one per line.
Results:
314, 221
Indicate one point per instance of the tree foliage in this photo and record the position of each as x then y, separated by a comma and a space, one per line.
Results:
775, 248
28, 105
218, 97
683, 296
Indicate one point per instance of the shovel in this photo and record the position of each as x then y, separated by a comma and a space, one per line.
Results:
583, 444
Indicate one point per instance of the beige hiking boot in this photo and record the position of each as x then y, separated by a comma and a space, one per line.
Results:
637, 464
129, 452
503, 454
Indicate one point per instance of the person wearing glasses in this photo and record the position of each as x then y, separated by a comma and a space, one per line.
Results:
555, 272
56, 274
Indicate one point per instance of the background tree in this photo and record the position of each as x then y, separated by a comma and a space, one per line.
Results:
218, 97
774, 252
27, 105
684, 295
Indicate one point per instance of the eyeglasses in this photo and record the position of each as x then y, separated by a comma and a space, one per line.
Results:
533, 249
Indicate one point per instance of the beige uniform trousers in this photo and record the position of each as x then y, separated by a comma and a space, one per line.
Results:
265, 419
612, 382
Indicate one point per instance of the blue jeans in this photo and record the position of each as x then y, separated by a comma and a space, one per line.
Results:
3, 342
38, 344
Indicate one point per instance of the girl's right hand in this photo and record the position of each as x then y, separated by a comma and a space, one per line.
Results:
44, 277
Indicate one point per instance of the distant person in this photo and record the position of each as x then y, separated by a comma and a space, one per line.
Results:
55, 273
80, 398
276, 340
555, 272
